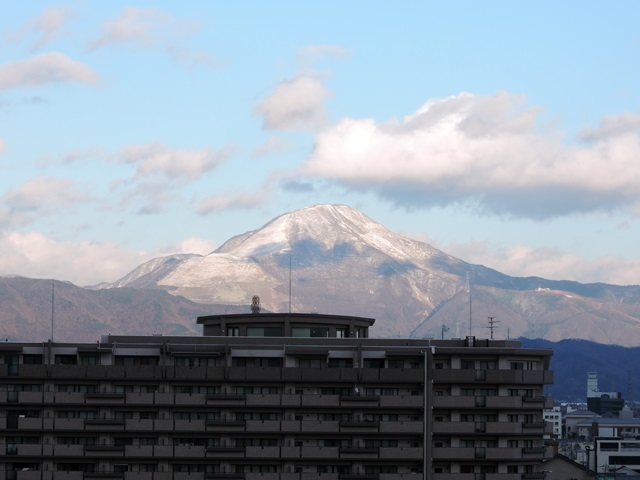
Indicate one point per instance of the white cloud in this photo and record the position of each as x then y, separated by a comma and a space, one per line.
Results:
43, 69
138, 25
46, 27
311, 54
152, 28
612, 126
2, 146
83, 263
488, 151
196, 245
37, 196
295, 104
158, 159
546, 262
235, 201
271, 145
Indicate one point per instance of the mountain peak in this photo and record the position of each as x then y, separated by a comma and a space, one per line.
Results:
327, 226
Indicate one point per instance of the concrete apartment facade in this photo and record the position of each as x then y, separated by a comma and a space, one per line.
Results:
273, 396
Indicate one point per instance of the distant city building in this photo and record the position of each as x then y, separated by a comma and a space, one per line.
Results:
554, 417
610, 455
602, 402
273, 396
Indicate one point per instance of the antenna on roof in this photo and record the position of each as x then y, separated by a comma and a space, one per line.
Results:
491, 325
53, 285
469, 292
289, 283
255, 304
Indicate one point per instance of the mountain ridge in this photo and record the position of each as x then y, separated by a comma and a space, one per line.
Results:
335, 259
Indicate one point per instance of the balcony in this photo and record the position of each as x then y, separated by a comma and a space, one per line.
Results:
534, 425
533, 450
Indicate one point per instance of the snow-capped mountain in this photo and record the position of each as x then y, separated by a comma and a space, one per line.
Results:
335, 259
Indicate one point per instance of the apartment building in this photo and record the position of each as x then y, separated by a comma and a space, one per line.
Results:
273, 396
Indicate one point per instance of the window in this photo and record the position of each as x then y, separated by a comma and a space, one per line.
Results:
122, 441
340, 469
66, 360
256, 468
334, 442
74, 388
89, 359
24, 440
32, 359
346, 391
206, 389
488, 365
233, 331
197, 361
468, 364
381, 417
395, 363
76, 440
122, 415
340, 363
376, 469
342, 417
123, 388
309, 332
256, 416
83, 414
256, 390
374, 443
264, 331
191, 416
191, 442
24, 387
376, 392
373, 363
130, 360
517, 366
256, 442
310, 362
342, 332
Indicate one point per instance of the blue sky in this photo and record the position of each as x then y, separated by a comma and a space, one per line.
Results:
504, 133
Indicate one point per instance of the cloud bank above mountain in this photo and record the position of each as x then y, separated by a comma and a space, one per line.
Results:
491, 152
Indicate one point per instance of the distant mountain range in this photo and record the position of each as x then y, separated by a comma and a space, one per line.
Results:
335, 259
328, 259
572, 359
81, 314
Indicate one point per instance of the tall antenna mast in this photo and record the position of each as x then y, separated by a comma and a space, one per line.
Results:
492, 323
289, 283
469, 292
53, 285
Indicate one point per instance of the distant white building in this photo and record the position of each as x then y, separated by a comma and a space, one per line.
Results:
554, 417
612, 453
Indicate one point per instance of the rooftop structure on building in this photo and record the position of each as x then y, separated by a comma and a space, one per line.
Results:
599, 401
273, 396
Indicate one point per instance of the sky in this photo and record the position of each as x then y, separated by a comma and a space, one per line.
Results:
504, 133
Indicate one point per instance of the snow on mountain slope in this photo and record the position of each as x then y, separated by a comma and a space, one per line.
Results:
329, 225
337, 259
